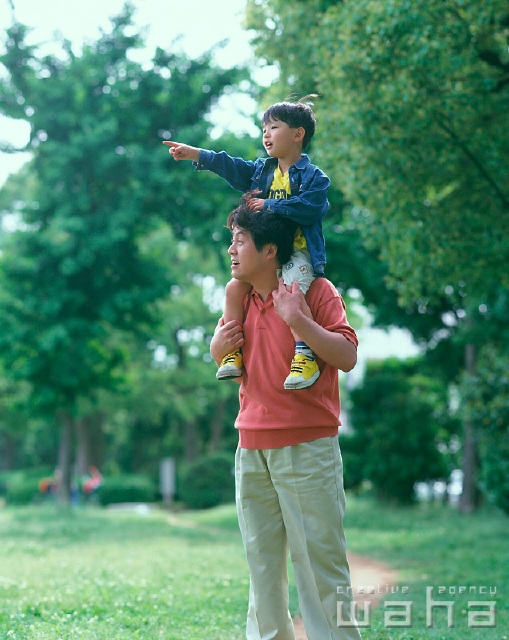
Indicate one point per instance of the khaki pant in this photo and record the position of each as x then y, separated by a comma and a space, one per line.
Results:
293, 499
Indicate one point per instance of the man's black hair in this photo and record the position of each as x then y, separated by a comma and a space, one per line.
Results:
265, 228
294, 114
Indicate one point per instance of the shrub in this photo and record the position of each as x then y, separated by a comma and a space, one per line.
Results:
22, 490
352, 452
127, 488
208, 481
396, 429
22, 486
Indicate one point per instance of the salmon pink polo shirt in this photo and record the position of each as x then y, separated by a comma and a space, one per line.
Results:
271, 416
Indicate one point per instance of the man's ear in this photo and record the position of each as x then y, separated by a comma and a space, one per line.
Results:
271, 250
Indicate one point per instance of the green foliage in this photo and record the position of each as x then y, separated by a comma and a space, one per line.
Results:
208, 481
127, 488
487, 408
412, 120
22, 487
103, 296
396, 435
412, 123
354, 459
77, 268
23, 490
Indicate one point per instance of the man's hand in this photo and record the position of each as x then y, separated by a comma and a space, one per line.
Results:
289, 304
180, 151
331, 346
227, 338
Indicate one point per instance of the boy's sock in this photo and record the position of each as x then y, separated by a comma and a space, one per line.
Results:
231, 366
304, 369
301, 347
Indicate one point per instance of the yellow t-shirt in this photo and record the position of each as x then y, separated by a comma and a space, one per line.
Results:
280, 188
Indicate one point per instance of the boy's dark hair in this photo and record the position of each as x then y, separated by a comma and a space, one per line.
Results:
295, 114
265, 228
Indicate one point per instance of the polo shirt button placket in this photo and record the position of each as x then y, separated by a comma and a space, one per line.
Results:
261, 319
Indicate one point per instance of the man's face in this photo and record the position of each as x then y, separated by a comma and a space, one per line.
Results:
247, 261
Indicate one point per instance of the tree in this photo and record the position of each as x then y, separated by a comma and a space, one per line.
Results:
412, 123
411, 126
171, 403
74, 275
397, 430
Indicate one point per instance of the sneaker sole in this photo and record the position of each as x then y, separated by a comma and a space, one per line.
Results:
229, 375
302, 385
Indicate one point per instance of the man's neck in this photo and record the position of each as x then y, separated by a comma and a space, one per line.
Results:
265, 286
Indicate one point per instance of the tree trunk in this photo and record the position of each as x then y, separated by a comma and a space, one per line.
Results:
217, 425
191, 448
90, 442
65, 457
7, 452
82, 445
469, 495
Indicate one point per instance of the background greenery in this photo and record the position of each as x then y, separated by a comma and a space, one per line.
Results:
112, 274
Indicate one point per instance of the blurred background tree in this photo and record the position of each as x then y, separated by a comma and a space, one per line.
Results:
111, 274
412, 120
111, 239
402, 430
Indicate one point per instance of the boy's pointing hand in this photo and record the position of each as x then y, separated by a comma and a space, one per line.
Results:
180, 151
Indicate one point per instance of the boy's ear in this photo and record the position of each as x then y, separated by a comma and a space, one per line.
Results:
300, 132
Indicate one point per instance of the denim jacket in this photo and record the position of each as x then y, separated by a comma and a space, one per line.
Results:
308, 202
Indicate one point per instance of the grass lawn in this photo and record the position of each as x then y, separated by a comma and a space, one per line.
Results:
432, 545
100, 574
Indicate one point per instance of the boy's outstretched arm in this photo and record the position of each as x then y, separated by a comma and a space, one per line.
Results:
181, 151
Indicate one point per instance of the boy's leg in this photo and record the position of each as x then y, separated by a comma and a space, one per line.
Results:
232, 364
309, 481
304, 369
266, 546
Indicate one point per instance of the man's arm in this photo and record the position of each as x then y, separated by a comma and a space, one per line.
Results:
227, 337
331, 346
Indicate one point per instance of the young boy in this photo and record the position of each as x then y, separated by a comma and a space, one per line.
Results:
287, 184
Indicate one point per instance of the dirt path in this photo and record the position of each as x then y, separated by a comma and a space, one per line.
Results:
366, 574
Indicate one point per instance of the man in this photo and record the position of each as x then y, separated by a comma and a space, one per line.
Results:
289, 486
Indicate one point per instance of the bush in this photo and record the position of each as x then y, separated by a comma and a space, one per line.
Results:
208, 481
23, 490
22, 486
352, 453
395, 423
127, 488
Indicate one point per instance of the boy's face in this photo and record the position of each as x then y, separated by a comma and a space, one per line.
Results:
280, 140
